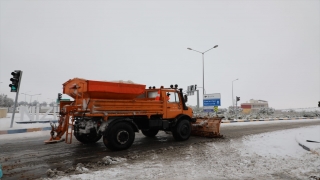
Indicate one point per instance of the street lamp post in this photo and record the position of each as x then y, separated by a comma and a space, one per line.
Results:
203, 64
232, 94
32, 95
25, 96
198, 96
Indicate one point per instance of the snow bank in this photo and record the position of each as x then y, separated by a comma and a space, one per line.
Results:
274, 155
279, 143
6, 122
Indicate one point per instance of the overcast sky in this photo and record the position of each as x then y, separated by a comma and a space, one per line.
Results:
271, 46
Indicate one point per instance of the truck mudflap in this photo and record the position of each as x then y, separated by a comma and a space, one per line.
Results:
207, 127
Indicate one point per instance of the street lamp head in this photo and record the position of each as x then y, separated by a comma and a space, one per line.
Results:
189, 48
235, 80
215, 46
35, 94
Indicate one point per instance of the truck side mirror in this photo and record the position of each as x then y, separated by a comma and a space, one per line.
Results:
185, 97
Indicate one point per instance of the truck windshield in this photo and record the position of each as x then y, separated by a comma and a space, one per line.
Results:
173, 97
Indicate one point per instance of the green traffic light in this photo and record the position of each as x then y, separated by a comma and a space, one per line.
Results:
13, 88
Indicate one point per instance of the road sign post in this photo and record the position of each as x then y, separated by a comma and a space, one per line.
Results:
237, 99
216, 110
190, 91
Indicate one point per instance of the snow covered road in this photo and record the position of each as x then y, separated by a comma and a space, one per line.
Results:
264, 150
274, 155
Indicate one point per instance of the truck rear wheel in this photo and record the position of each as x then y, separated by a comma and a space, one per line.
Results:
119, 137
182, 130
150, 132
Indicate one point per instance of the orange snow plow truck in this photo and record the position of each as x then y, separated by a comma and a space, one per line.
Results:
116, 110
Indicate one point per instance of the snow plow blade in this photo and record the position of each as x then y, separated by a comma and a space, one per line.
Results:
56, 132
207, 127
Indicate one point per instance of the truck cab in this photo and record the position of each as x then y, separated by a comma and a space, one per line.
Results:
174, 103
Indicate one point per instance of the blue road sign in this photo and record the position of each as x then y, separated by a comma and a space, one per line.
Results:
212, 102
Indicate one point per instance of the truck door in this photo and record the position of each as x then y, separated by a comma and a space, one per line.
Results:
174, 107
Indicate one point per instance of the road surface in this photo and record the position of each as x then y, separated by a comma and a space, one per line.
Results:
30, 158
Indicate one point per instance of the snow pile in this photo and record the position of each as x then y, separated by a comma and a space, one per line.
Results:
81, 169
85, 168
122, 81
53, 173
113, 160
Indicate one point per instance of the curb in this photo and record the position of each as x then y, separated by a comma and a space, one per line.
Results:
14, 131
300, 144
275, 119
306, 147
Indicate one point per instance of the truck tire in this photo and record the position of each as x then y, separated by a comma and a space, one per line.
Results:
150, 132
88, 139
182, 130
119, 137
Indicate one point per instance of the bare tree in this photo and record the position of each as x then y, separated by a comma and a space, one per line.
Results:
5, 101
43, 104
34, 103
51, 104
23, 103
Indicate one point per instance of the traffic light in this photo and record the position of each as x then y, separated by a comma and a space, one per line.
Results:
318, 103
238, 98
59, 97
191, 88
15, 80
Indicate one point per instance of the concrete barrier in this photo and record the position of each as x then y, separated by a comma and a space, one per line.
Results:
3, 112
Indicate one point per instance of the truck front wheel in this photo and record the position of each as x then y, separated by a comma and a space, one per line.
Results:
119, 137
182, 130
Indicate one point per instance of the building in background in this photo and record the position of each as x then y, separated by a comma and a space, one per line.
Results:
253, 105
